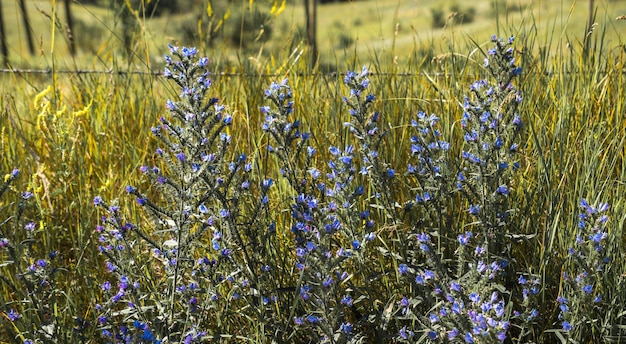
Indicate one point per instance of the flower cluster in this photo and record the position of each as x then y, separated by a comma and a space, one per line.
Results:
183, 289
585, 270
465, 302
491, 125
365, 127
327, 269
31, 278
329, 229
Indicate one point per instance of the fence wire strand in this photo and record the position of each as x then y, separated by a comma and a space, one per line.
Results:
220, 74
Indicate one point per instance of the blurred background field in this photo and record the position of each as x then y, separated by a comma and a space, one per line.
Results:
79, 135
272, 29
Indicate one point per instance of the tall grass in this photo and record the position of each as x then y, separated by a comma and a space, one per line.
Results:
88, 135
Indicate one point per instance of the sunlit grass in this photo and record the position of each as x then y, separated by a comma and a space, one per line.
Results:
89, 133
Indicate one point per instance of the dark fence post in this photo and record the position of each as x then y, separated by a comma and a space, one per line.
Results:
70, 27
310, 12
3, 40
27, 28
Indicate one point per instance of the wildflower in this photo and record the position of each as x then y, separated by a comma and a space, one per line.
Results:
502, 190
405, 334
29, 226
455, 286
111, 267
566, 326
13, 315
465, 238
98, 201
106, 286
346, 328
403, 269
474, 209
452, 334
313, 319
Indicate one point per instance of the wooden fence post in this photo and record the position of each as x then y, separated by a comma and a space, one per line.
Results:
70, 27
310, 12
27, 28
3, 40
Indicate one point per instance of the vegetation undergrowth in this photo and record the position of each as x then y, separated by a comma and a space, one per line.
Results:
315, 210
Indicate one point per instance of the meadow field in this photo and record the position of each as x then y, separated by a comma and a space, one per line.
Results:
451, 181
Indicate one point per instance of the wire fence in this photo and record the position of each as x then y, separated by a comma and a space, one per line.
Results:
49, 71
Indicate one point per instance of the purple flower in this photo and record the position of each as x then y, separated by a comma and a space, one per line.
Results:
502, 190
405, 334
566, 326
347, 300
98, 201
403, 269
327, 282
346, 328
465, 238
189, 52
106, 286
455, 287
474, 209
13, 315
111, 267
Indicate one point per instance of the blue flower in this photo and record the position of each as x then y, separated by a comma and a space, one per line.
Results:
347, 300
405, 334
98, 200
502, 190
566, 326
13, 315
189, 52
455, 286
403, 269
106, 286
346, 328
452, 334
313, 319
474, 209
